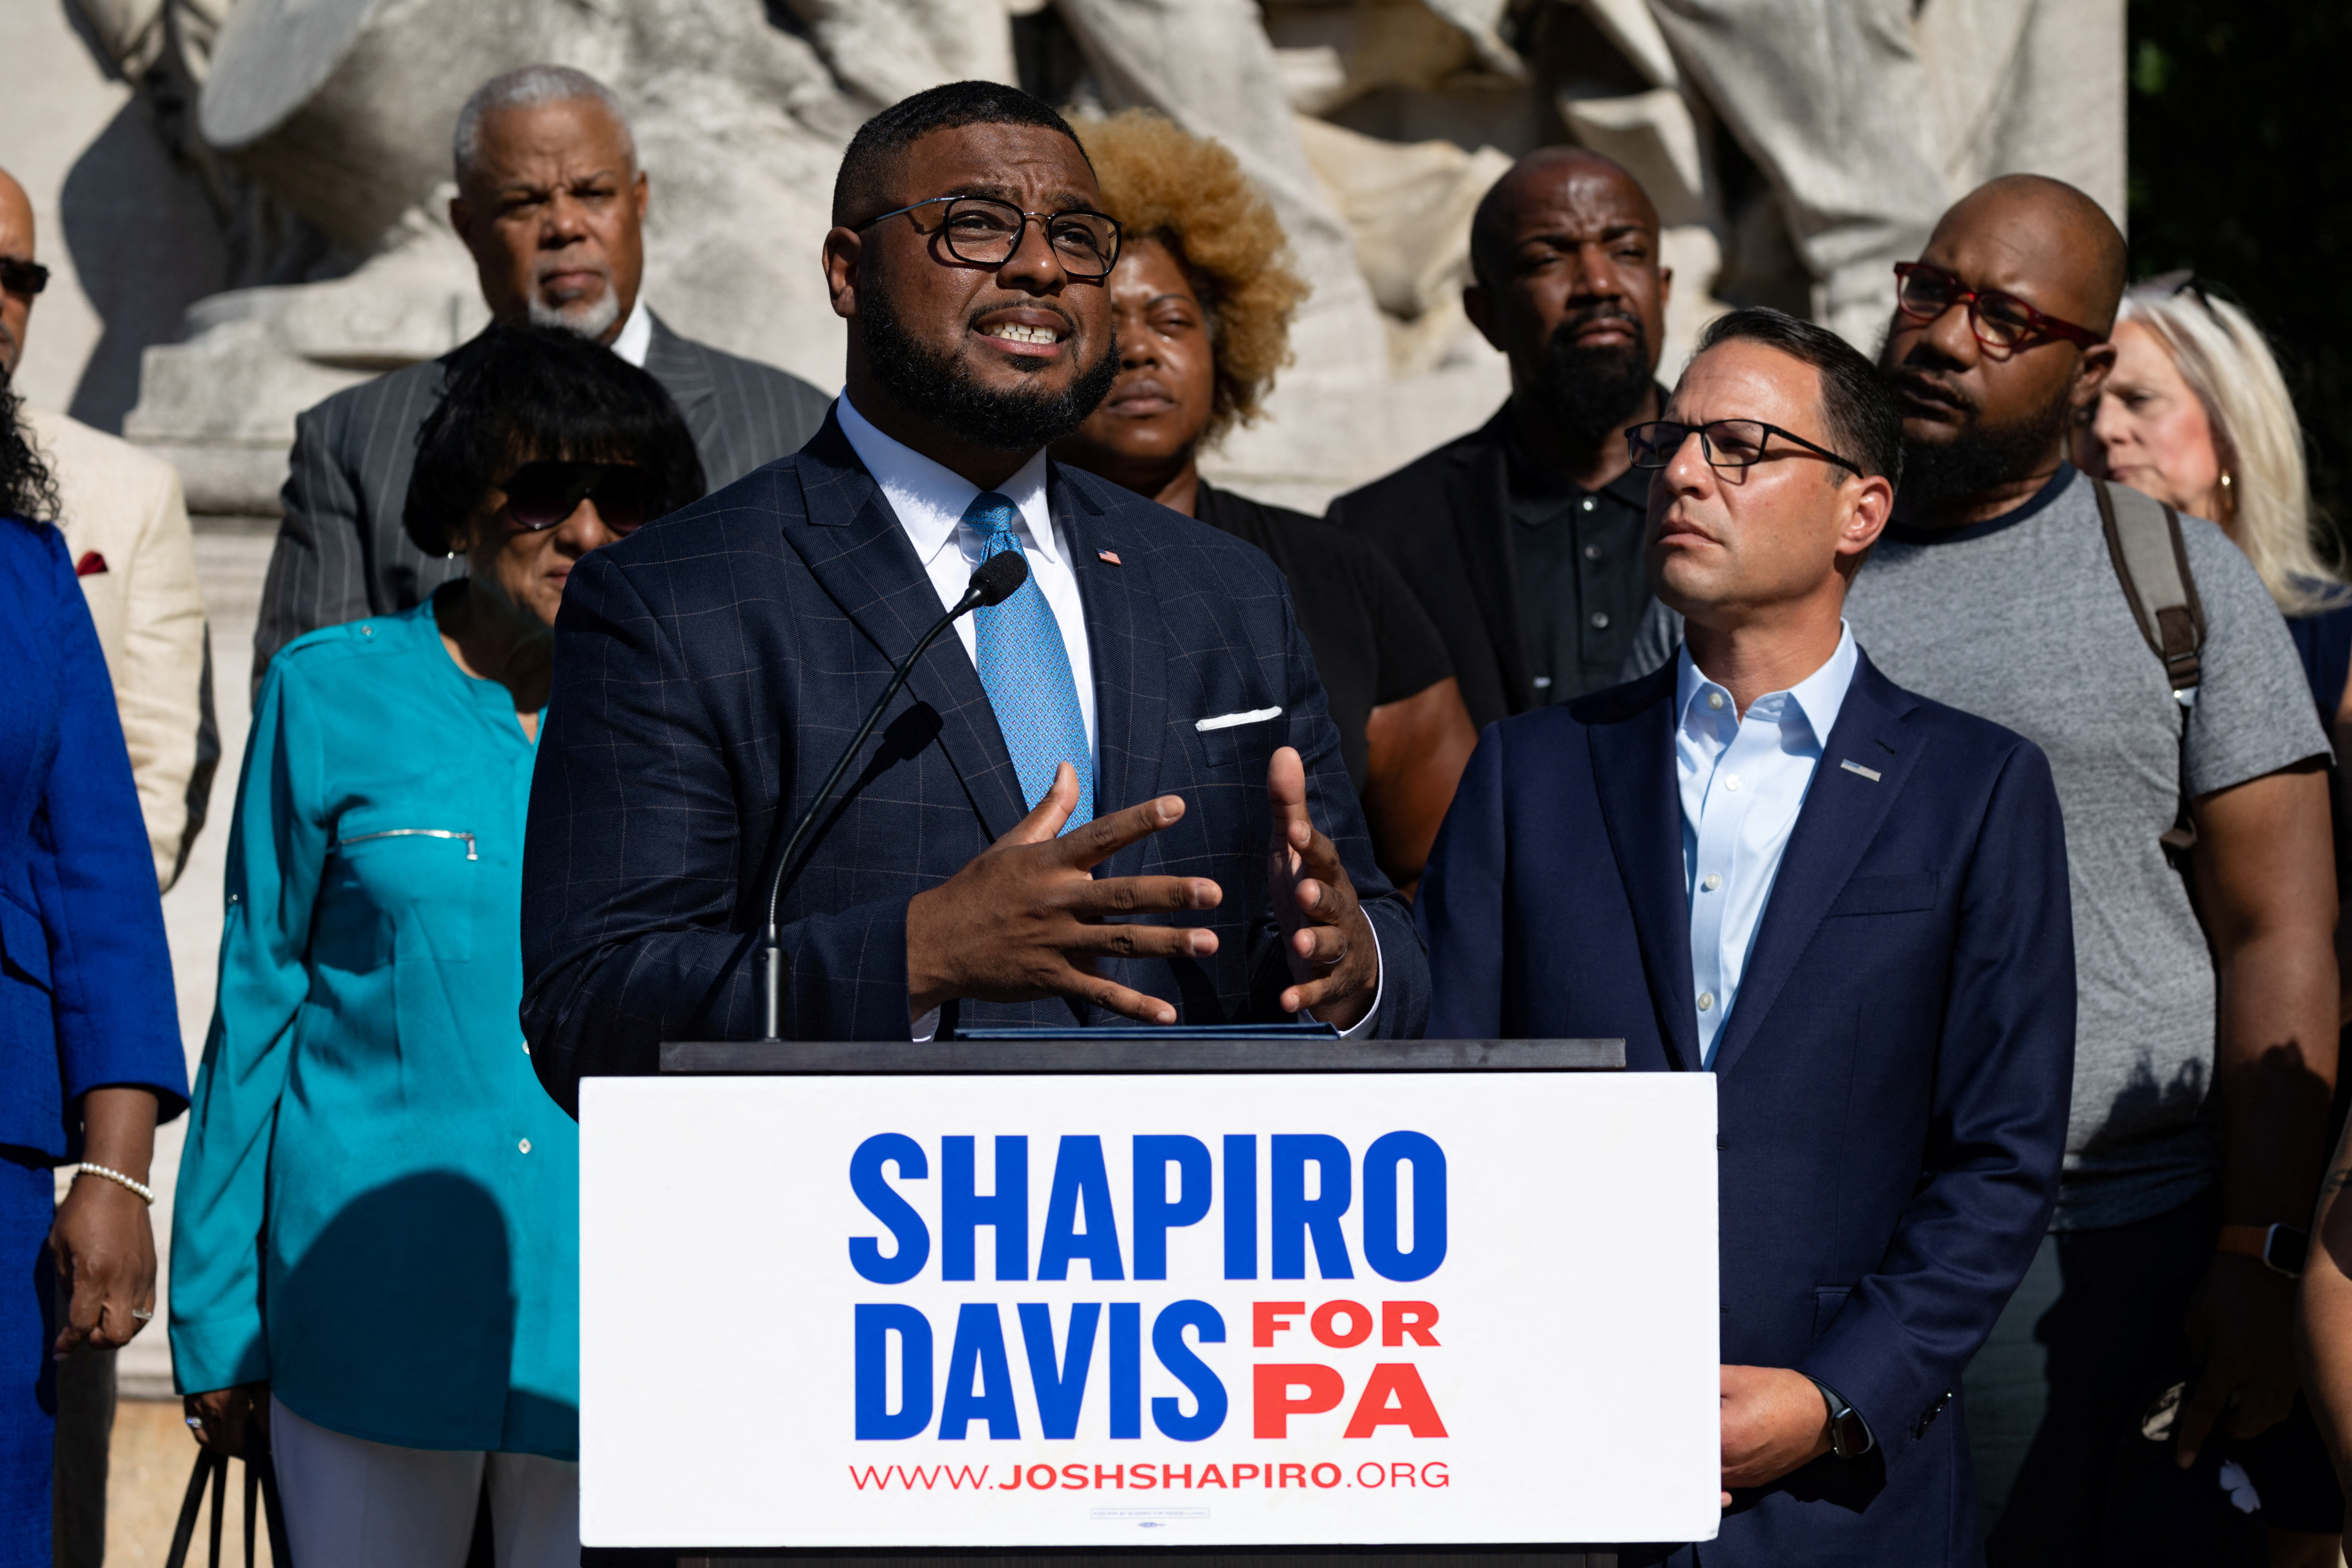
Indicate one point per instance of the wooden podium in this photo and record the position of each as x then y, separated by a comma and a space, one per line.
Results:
1101, 1052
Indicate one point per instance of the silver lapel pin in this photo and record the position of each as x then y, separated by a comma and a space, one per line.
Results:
1854, 767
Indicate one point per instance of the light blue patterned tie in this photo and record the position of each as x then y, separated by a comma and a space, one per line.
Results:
1026, 669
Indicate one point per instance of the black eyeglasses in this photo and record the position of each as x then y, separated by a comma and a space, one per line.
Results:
1724, 442
541, 495
2000, 320
986, 233
22, 277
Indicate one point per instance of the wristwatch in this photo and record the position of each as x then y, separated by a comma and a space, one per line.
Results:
1849, 1433
2281, 1248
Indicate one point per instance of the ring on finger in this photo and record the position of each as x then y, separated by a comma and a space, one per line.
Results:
147, 1316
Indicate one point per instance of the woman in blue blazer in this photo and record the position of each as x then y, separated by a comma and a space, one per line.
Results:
408, 1324
86, 1019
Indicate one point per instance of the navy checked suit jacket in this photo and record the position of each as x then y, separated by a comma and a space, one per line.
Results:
709, 670
1893, 1081
342, 553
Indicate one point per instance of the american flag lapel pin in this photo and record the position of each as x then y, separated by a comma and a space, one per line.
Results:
1109, 556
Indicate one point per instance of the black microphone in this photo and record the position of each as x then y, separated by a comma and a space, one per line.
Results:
995, 579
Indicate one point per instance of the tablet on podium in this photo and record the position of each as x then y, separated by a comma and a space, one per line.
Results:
1116, 1291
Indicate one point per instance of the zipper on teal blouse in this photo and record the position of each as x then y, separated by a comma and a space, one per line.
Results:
413, 833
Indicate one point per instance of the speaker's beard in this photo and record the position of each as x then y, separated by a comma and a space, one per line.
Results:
942, 388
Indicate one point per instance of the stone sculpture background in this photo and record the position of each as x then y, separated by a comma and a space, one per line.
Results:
210, 291
1795, 148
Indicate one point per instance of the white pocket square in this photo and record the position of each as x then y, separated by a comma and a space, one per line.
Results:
1227, 720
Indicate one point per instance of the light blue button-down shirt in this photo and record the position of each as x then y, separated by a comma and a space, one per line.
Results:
1743, 781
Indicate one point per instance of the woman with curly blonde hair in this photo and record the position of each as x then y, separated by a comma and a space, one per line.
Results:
1202, 298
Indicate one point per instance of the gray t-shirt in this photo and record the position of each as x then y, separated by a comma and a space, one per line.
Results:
2023, 621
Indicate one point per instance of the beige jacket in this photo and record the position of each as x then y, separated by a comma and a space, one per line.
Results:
124, 507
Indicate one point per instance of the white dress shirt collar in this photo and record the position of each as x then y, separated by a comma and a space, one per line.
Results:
1742, 779
636, 334
930, 498
929, 501
1818, 699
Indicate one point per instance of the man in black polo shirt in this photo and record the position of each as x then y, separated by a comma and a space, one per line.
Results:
1522, 540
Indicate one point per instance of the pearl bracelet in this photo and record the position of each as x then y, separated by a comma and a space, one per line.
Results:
146, 1193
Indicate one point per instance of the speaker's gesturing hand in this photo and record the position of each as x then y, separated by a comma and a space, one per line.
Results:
1025, 920
1324, 932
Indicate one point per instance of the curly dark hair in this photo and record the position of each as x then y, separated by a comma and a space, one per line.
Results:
517, 393
27, 489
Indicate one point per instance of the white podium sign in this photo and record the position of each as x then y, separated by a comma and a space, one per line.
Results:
1463, 1307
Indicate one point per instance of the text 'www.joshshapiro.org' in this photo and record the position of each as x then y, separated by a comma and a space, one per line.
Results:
1371, 1474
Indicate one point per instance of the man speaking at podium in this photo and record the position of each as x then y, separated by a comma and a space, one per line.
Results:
1121, 798
1768, 862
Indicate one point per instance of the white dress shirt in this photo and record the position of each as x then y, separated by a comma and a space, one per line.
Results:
930, 500
635, 336
1743, 780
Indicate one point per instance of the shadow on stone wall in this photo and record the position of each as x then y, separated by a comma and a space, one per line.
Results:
146, 245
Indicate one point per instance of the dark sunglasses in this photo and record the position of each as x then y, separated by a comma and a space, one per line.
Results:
22, 277
1724, 442
541, 495
1999, 320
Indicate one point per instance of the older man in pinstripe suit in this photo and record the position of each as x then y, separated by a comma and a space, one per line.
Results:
551, 201
1148, 675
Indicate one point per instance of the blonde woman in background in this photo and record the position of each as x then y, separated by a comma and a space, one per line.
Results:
2196, 414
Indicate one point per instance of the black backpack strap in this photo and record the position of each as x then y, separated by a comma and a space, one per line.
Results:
2151, 560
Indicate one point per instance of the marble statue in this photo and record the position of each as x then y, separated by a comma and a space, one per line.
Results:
1795, 149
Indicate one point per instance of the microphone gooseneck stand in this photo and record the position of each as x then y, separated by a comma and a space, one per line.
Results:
995, 579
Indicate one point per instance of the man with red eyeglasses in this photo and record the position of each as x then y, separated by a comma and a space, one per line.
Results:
2154, 1333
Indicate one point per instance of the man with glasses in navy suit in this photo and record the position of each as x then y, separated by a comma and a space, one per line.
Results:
1121, 798
1768, 862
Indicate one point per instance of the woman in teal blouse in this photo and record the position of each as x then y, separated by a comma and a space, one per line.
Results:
366, 1108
